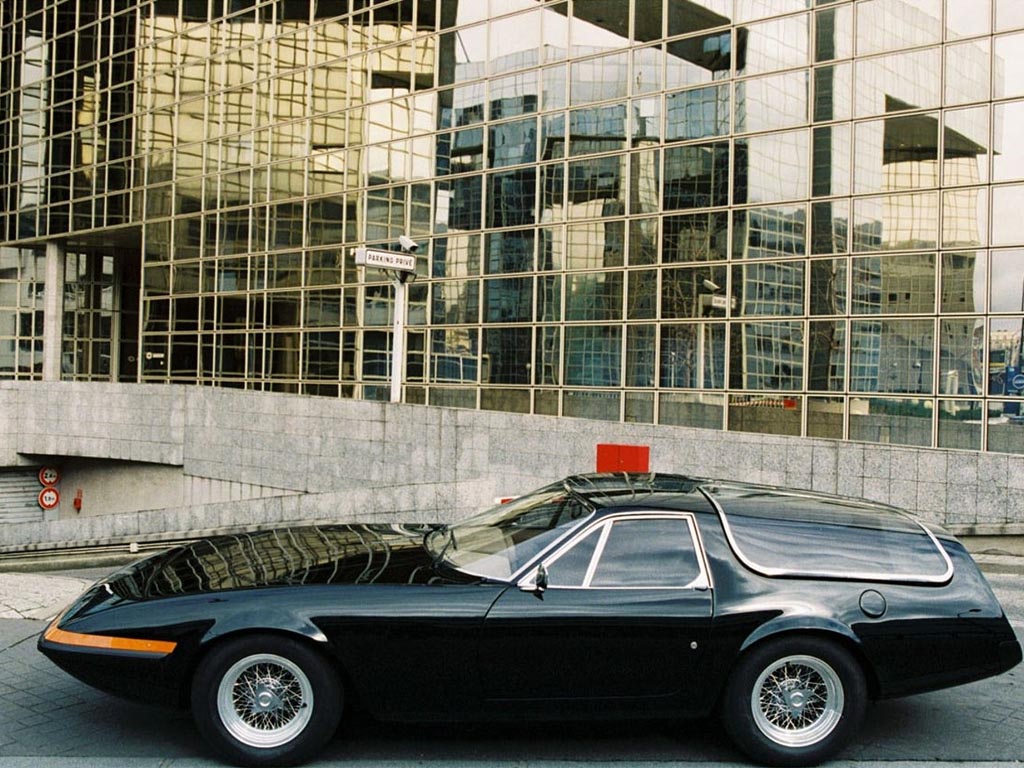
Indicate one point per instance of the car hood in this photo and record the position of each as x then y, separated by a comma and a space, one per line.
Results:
314, 554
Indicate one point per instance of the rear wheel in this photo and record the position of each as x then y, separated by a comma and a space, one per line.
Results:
266, 700
794, 701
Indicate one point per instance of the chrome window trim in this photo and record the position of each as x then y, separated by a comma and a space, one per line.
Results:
770, 571
701, 582
606, 529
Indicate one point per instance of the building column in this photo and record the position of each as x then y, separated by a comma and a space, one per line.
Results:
53, 311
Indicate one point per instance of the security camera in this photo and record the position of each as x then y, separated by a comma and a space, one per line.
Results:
408, 244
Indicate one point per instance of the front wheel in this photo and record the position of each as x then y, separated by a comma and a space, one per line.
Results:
266, 700
794, 701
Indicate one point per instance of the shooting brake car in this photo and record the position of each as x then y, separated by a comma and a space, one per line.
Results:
626, 595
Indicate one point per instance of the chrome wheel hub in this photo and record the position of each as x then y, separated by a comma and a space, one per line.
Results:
265, 700
797, 701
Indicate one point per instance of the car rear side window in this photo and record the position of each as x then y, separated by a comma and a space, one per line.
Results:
780, 533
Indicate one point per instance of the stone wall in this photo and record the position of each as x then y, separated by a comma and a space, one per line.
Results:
292, 446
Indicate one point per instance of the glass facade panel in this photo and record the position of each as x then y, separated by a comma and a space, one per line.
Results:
773, 102
777, 44
697, 113
593, 355
22, 284
960, 425
825, 417
696, 237
696, 176
962, 288
885, 25
1008, 79
833, 33
771, 168
775, 216
833, 92
1008, 292
1008, 164
693, 356
706, 411
965, 156
967, 18
961, 343
967, 71
898, 82
766, 415
640, 356
1009, 15
826, 355
890, 420
1007, 224
895, 154
895, 222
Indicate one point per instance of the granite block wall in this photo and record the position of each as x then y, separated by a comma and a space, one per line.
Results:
277, 453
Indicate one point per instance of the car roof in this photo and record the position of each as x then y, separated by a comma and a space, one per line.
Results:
616, 489
607, 491
837, 536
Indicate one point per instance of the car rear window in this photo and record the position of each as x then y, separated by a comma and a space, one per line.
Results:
794, 534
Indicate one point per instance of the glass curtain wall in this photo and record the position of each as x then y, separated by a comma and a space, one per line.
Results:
774, 216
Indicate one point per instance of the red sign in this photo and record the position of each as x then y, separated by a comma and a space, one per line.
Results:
49, 497
49, 476
623, 458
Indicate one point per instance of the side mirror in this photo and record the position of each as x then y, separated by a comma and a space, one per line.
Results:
537, 582
541, 578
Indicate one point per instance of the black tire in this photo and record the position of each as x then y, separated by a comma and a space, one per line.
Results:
794, 701
266, 700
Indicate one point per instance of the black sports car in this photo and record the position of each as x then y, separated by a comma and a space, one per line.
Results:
626, 595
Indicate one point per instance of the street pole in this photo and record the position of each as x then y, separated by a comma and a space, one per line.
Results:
402, 269
398, 340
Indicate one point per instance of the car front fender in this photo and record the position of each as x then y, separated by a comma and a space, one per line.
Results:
265, 620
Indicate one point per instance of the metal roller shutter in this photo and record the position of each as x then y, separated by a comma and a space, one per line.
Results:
19, 496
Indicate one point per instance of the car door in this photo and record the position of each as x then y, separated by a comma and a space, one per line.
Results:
625, 615
408, 648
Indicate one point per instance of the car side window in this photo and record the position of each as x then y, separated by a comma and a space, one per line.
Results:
655, 552
570, 569
637, 553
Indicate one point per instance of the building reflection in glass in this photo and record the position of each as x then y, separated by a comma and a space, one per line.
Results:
752, 216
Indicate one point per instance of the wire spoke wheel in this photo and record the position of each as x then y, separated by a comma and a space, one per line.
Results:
797, 701
265, 700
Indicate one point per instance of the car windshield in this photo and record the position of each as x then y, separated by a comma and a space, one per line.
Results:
498, 542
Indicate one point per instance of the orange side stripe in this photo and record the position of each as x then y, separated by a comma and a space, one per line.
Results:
160, 647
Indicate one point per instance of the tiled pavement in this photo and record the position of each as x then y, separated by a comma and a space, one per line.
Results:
46, 713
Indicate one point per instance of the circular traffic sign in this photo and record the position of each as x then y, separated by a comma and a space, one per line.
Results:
49, 476
49, 497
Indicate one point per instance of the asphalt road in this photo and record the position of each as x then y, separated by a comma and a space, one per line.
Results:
49, 719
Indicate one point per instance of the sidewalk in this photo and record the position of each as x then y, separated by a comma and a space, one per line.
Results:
37, 596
